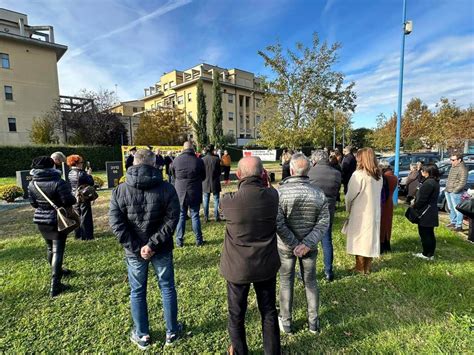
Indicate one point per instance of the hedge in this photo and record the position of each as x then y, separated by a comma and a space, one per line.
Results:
14, 158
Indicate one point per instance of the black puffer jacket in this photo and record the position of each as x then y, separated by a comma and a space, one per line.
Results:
78, 177
57, 190
144, 210
303, 214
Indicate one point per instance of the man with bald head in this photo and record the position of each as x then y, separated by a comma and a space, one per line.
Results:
189, 173
250, 255
303, 219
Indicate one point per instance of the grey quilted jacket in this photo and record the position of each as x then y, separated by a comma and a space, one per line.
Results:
303, 214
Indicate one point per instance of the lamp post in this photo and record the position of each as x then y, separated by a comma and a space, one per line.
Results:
406, 30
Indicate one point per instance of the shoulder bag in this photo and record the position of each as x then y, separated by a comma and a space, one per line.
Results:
68, 219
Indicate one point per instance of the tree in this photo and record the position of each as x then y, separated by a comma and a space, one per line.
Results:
216, 124
360, 137
200, 126
104, 99
162, 127
304, 90
383, 137
43, 131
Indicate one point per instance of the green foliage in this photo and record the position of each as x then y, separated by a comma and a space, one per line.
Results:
360, 137
161, 127
217, 135
298, 104
98, 181
200, 126
10, 192
14, 158
43, 131
406, 305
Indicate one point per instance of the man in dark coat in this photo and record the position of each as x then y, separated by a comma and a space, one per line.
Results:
131, 154
348, 166
328, 179
143, 216
189, 173
250, 255
160, 161
212, 183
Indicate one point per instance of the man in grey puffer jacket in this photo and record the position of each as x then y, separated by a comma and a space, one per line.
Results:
303, 219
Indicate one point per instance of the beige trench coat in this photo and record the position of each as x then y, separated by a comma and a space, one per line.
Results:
363, 200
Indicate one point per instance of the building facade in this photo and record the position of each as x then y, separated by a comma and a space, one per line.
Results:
241, 97
130, 112
28, 75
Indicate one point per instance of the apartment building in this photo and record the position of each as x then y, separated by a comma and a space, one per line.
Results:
28, 75
241, 96
130, 112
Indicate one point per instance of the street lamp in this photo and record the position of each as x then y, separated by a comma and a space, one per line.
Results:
406, 30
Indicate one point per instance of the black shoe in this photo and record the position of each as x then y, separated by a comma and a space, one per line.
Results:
67, 272
329, 277
57, 289
200, 244
173, 337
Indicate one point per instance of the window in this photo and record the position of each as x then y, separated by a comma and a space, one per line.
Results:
8, 93
12, 124
257, 119
231, 116
5, 60
165, 87
231, 132
143, 108
180, 100
190, 97
257, 102
135, 109
171, 84
241, 120
230, 98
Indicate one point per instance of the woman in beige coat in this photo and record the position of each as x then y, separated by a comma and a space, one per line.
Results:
363, 202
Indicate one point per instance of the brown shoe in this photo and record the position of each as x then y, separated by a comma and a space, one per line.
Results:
359, 265
367, 265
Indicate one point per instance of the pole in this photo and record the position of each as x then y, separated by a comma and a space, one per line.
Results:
399, 111
343, 136
334, 129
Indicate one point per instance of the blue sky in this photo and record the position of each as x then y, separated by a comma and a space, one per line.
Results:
131, 43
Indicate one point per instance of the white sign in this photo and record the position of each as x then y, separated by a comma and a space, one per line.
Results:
264, 155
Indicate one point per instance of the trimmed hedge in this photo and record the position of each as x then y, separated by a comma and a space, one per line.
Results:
14, 158
10, 192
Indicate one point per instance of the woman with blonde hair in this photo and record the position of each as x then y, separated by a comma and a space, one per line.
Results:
363, 202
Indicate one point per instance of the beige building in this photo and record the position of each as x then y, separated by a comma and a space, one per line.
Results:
130, 112
28, 75
241, 95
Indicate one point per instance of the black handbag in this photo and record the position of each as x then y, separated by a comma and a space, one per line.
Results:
466, 207
86, 193
414, 216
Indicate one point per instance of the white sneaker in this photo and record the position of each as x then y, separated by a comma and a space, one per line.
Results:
421, 256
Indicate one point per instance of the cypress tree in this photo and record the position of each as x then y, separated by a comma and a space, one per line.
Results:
201, 125
216, 133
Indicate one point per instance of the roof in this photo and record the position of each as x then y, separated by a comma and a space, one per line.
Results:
58, 48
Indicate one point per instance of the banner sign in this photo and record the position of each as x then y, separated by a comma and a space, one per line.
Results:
163, 148
264, 155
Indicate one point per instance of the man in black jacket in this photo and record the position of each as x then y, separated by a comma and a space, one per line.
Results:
250, 255
131, 154
328, 179
212, 183
143, 216
348, 166
189, 173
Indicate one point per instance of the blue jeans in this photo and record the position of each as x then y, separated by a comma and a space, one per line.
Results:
138, 277
206, 196
452, 201
196, 223
328, 253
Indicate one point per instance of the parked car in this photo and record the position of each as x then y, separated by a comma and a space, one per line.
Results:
404, 165
444, 172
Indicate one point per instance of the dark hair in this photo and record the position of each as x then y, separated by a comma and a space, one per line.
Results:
457, 155
432, 170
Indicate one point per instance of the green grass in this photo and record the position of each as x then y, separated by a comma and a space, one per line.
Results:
405, 305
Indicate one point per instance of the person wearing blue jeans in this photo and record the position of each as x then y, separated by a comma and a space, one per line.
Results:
455, 185
328, 253
205, 204
195, 221
143, 215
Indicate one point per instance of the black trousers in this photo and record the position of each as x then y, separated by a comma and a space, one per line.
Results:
428, 241
226, 170
86, 229
237, 304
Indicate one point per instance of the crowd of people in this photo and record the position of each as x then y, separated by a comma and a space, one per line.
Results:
268, 231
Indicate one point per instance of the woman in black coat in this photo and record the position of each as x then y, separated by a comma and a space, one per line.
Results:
426, 204
48, 180
78, 177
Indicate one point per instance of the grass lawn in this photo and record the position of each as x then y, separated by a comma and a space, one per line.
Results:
406, 305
